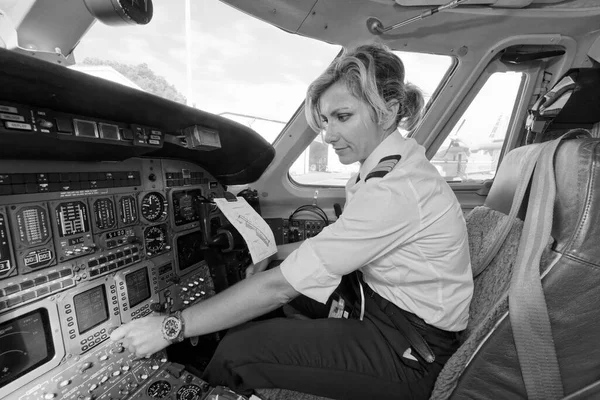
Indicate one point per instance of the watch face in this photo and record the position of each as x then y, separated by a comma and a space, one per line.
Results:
171, 327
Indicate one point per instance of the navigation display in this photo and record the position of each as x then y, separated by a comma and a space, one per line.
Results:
138, 286
189, 251
26, 343
91, 308
185, 206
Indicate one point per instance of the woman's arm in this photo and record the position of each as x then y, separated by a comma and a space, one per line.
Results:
242, 302
283, 250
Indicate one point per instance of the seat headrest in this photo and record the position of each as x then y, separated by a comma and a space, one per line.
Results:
577, 202
507, 178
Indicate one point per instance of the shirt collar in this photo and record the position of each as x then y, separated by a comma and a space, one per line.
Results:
393, 144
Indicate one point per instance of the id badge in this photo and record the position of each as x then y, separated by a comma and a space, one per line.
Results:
338, 308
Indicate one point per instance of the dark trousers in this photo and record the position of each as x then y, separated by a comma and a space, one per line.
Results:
335, 358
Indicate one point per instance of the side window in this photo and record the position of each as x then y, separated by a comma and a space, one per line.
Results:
318, 165
471, 151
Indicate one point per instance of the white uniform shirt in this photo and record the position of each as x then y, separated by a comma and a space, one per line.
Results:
404, 229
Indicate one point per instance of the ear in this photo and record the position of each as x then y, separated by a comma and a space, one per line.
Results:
393, 106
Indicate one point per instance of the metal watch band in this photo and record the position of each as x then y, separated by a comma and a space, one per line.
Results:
180, 336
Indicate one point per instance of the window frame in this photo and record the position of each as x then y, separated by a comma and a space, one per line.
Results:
514, 134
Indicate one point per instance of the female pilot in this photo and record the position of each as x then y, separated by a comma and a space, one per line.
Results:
386, 329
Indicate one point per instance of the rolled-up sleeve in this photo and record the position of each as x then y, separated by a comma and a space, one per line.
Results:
383, 214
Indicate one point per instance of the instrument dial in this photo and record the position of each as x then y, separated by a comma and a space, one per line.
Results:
159, 390
189, 392
154, 207
155, 238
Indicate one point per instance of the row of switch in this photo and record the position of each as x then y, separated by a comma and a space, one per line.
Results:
12, 300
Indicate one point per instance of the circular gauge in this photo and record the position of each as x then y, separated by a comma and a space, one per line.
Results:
159, 390
155, 238
154, 206
189, 392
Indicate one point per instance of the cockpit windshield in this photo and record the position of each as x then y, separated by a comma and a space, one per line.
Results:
227, 62
239, 67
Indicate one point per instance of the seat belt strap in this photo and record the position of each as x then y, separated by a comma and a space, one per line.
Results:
528, 311
530, 160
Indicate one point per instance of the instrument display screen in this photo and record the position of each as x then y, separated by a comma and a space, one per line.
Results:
138, 286
72, 218
189, 250
26, 345
128, 210
91, 308
104, 213
5, 253
32, 225
185, 206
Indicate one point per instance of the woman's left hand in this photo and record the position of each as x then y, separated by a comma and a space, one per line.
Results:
142, 337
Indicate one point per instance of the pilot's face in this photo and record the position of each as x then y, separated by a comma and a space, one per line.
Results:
348, 124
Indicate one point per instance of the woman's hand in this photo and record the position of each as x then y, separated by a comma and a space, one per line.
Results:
142, 337
258, 267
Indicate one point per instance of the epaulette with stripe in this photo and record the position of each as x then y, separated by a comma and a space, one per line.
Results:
386, 164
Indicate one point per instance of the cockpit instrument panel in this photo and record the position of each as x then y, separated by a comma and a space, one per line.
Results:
83, 249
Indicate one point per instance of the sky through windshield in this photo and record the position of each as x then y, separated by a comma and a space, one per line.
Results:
239, 64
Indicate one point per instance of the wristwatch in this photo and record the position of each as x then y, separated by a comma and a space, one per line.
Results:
173, 327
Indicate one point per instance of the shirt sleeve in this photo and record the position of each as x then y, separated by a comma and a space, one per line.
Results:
382, 215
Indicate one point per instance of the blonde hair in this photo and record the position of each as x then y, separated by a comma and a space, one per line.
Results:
374, 74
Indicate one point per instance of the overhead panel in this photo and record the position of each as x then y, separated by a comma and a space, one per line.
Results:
285, 14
